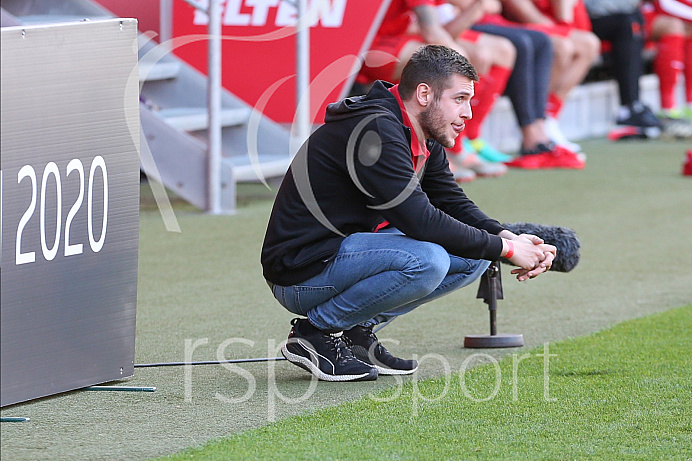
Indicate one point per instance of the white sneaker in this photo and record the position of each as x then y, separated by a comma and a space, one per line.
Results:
462, 174
552, 128
469, 162
460, 171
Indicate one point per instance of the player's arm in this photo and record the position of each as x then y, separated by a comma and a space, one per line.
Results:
431, 30
468, 13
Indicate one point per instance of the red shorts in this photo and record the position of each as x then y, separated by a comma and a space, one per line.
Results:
497, 20
550, 29
557, 30
469, 35
580, 13
581, 20
581, 17
651, 12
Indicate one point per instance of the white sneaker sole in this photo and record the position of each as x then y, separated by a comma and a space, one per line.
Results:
382, 371
308, 365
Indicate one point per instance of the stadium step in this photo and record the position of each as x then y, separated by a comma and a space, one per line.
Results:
158, 71
245, 170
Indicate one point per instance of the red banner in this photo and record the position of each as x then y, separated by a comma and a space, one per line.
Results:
259, 43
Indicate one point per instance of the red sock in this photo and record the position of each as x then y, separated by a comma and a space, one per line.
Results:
667, 65
554, 105
490, 86
688, 69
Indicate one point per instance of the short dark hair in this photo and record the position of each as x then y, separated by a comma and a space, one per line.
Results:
434, 65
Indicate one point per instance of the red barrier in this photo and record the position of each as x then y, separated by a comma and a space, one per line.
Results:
259, 48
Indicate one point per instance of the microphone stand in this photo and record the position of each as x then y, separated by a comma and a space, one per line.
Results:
490, 290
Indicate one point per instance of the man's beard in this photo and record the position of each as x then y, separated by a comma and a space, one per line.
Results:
433, 125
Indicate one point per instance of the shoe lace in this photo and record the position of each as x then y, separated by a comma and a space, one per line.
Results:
372, 339
341, 350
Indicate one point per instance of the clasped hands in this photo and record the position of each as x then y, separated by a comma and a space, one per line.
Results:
532, 256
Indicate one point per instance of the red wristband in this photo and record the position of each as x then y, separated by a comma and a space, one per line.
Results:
510, 249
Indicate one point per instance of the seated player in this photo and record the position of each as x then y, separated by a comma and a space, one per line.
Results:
527, 89
620, 24
672, 37
575, 49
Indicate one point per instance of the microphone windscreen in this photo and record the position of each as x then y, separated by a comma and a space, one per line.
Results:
563, 238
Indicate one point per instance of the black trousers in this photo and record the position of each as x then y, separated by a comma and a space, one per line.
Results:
528, 83
626, 34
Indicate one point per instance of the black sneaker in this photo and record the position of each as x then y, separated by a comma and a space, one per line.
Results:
324, 355
367, 348
642, 117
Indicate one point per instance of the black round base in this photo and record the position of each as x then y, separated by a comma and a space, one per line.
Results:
493, 341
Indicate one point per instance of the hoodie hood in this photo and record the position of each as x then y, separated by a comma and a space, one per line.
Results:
378, 100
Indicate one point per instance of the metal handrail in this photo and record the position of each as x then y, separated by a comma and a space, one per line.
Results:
303, 121
214, 106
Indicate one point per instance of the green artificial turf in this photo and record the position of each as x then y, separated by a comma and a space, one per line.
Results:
629, 206
622, 393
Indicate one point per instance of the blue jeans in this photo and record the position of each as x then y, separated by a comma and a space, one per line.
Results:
376, 277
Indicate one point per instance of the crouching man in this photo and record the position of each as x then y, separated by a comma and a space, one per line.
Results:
369, 223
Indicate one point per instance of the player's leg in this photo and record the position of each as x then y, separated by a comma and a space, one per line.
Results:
577, 56
580, 48
525, 87
669, 34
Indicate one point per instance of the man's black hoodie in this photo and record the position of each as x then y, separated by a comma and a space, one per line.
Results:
355, 172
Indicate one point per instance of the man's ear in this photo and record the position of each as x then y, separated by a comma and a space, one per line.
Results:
423, 94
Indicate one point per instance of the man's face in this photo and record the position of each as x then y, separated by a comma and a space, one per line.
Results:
445, 119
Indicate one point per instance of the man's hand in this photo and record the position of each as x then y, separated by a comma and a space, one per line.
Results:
532, 256
544, 266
